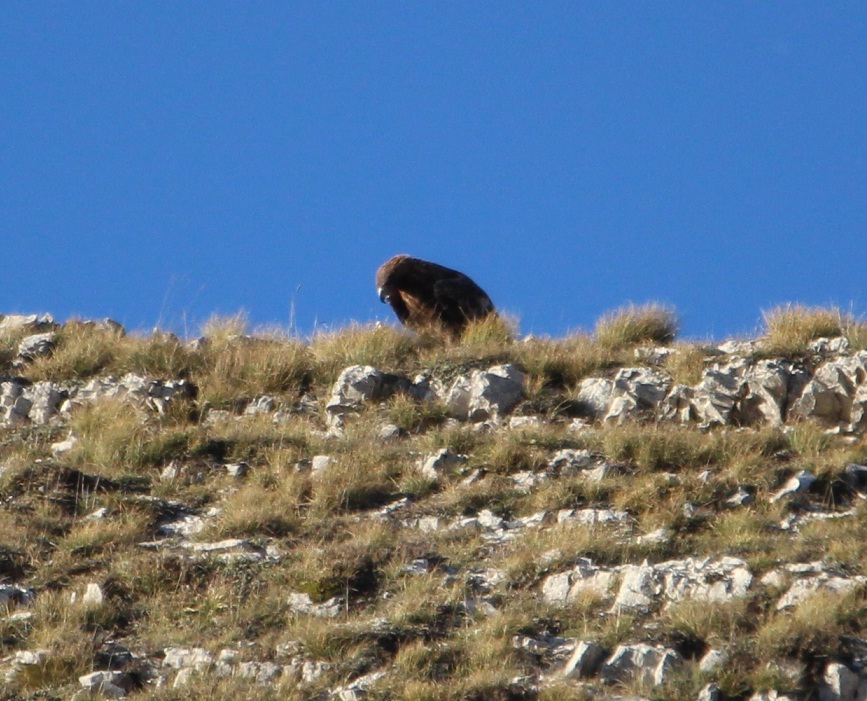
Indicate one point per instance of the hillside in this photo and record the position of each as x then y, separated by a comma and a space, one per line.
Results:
375, 514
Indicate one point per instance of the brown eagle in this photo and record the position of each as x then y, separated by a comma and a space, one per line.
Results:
425, 295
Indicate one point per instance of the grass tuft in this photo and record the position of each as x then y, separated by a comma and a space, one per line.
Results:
791, 327
634, 324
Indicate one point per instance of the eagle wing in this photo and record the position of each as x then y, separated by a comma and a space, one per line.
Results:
460, 299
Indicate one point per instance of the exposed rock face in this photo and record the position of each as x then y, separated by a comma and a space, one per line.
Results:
585, 661
36, 346
22, 403
595, 394
646, 664
642, 587
837, 394
486, 395
636, 392
680, 580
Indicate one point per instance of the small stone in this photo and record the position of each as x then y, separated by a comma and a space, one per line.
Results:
796, 484
261, 405
710, 692
388, 432
27, 658
484, 395
180, 657
64, 446
525, 481
320, 463
740, 498
111, 683
418, 567
518, 423
302, 603
36, 346
312, 671
802, 589
584, 662
657, 537
429, 524
488, 519
600, 472
185, 526
237, 469
183, 677
839, 683
569, 461
171, 472
93, 595
474, 477
217, 416
643, 663
440, 463
713, 660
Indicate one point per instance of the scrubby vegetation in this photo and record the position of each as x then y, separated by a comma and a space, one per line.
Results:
439, 609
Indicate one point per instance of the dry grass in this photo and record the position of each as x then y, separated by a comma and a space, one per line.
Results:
791, 327
81, 351
383, 347
239, 367
428, 630
562, 363
634, 324
686, 365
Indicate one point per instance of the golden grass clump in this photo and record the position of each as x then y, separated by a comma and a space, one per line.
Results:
634, 324
492, 330
563, 362
115, 439
82, 350
384, 347
857, 335
662, 447
235, 366
686, 365
791, 327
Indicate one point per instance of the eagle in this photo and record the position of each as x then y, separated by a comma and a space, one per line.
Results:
427, 295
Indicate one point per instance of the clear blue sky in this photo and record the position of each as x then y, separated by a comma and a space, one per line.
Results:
164, 161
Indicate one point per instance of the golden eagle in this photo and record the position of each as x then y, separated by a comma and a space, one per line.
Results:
426, 295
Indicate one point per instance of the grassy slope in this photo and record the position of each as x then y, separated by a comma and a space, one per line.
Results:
417, 627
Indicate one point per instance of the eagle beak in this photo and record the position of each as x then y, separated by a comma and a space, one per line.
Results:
382, 295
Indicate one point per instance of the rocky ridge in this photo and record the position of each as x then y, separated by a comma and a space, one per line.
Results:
738, 391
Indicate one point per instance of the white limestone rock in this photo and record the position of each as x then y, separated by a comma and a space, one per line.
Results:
646, 664
839, 683
584, 578
712, 660
584, 662
569, 461
802, 589
636, 392
112, 684
37, 346
595, 395
443, 462
644, 587
265, 404
358, 385
796, 484
181, 657
484, 395
301, 603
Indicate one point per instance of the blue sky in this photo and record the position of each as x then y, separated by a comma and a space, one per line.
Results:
161, 162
